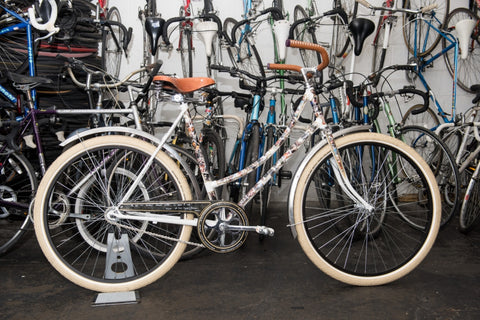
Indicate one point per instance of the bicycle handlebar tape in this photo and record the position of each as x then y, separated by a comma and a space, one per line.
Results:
429, 7
165, 28
311, 46
279, 66
276, 13
422, 94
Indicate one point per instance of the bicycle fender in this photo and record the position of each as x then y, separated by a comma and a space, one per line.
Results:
301, 167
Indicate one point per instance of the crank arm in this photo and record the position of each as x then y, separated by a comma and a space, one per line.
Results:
258, 229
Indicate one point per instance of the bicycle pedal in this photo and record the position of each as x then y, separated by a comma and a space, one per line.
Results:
266, 231
286, 174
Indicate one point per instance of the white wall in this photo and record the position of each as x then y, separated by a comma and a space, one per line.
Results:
438, 77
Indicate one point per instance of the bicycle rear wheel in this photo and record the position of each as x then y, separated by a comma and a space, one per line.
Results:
468, 72
426, 38
18, 184
246, 56
340, 39
338, 239
186, 52
72, 208
214, 150
306, 32
427, 119
437, 154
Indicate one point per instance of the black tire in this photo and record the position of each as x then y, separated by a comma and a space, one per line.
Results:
306, 32
186, 52
214, 150
245, 56
112, 46
437, 154
342, 41
18, 183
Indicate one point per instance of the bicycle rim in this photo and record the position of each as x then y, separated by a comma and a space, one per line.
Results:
426, 39
85, 181
337, 238
111, 53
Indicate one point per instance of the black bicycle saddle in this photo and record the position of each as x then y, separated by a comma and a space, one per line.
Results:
154, 28
360, 28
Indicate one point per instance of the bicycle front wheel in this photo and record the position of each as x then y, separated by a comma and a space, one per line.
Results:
306, 32
186, 52
427, 119
77, 198
419, 34
112, 44
359, 246
246, 57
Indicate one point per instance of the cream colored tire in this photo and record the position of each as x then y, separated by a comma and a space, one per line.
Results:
46, 236
320, 229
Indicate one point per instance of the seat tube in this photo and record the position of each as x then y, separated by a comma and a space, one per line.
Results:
256, 108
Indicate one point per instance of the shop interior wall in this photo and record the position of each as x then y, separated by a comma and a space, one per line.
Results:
438, 77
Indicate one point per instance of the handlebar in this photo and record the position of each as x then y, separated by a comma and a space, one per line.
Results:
306, 46
337, 11
72, 63
49, 25
406, 90
421, 10
188, 18
126, 33
235, 72
276, 15
375, 77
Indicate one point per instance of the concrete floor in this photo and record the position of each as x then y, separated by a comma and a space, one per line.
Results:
268, 280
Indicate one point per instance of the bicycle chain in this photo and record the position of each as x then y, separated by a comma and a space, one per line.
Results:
156, 235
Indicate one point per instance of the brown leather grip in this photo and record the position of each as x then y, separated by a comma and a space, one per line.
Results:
311, 46
278, 66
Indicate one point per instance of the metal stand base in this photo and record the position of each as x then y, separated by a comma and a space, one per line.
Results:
116, 298
118, 265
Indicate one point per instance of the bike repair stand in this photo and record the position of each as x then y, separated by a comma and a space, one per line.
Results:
118, 265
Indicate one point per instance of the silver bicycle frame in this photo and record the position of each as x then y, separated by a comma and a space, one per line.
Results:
210, 185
